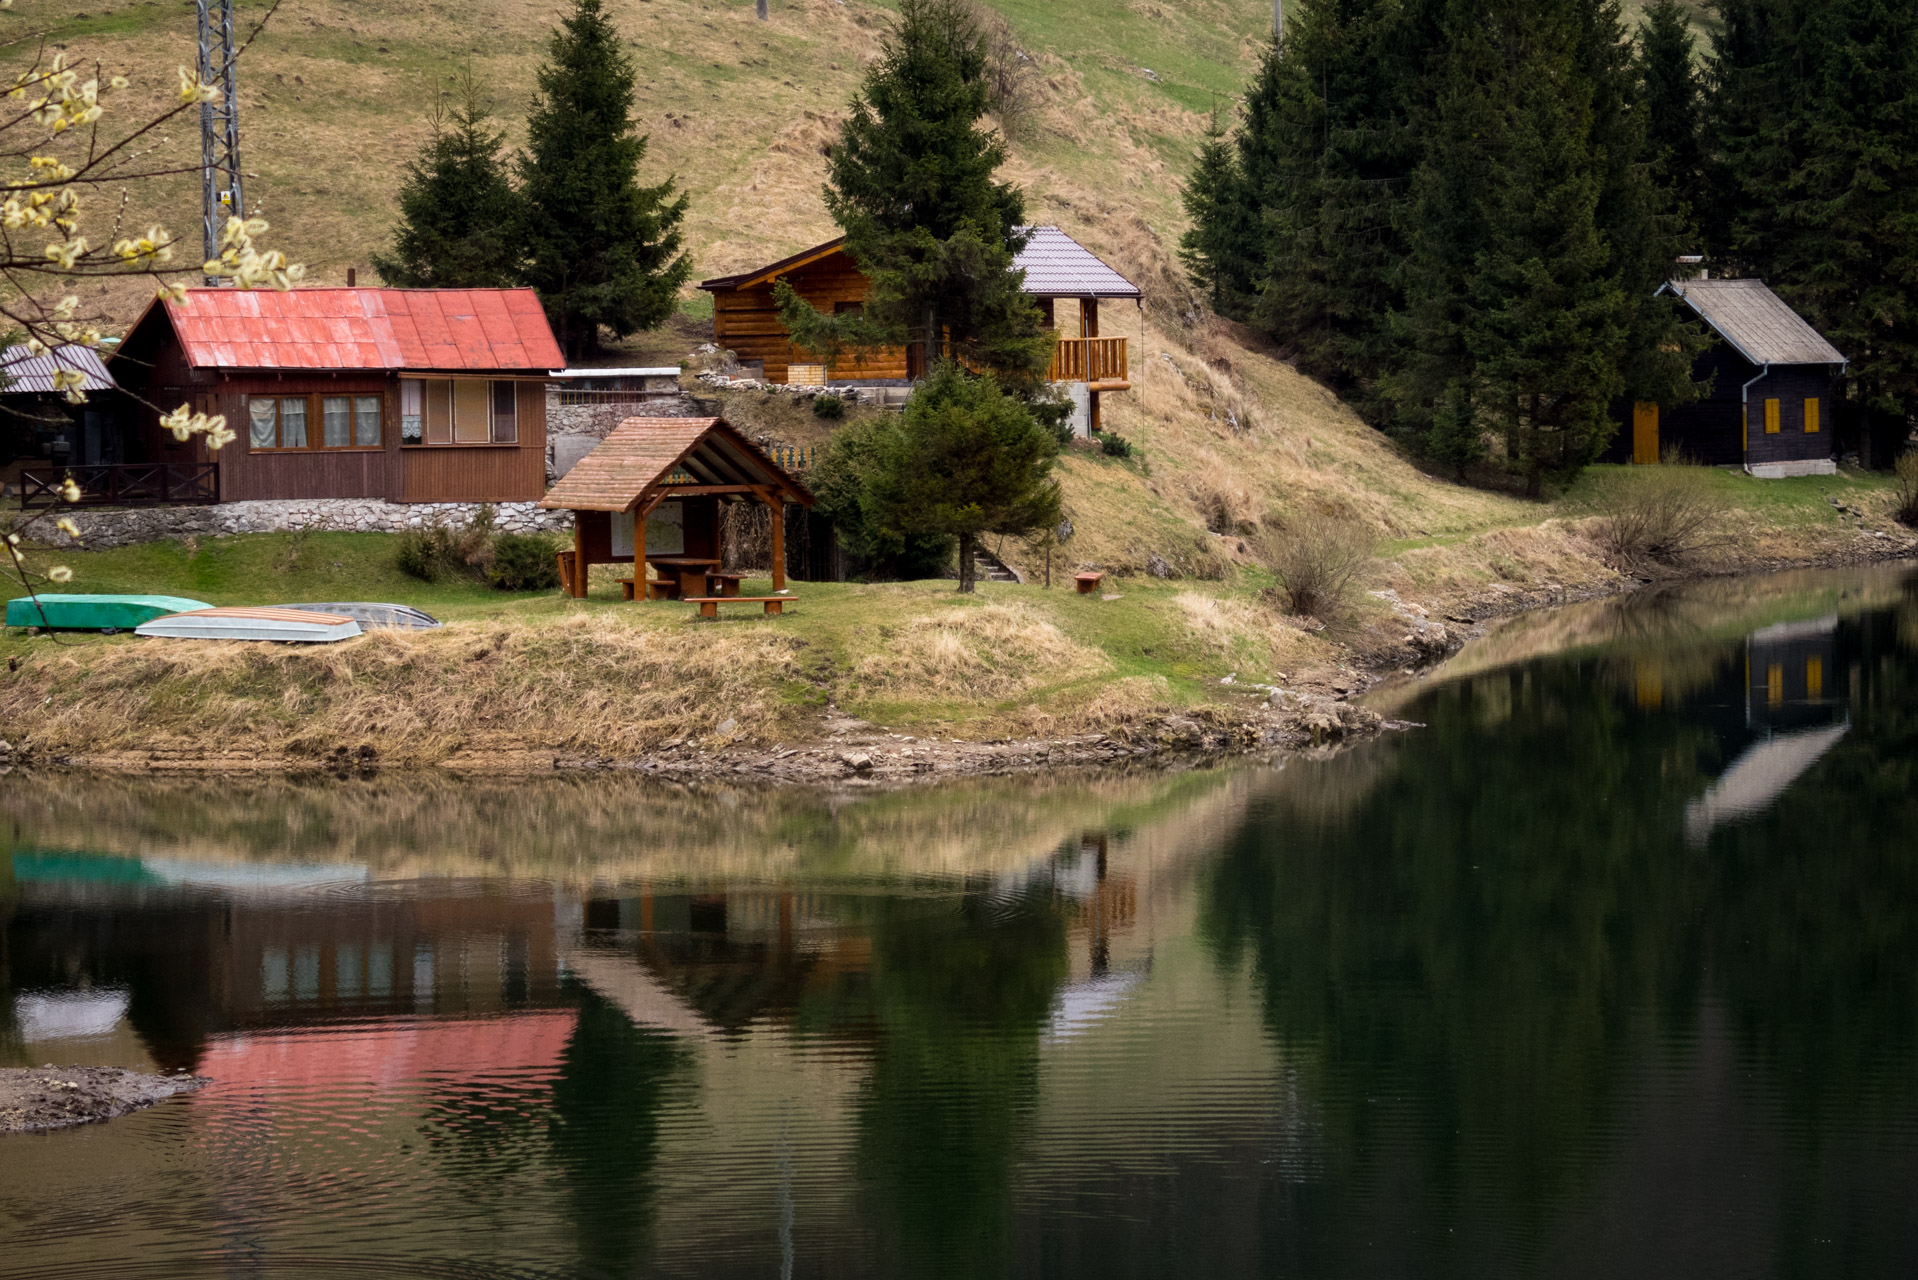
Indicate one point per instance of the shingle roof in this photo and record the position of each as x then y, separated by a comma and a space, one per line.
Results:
25, 372
1057, 266
642, 452
1756, 321
502, 330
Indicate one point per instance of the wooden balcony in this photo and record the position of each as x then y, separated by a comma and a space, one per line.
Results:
129, 484
1100, 363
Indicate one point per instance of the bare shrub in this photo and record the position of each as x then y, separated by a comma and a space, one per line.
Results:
1661, 514
1318, 557
1011, 87
1907, 470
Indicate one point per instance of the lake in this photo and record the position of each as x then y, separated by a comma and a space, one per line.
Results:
1608, 967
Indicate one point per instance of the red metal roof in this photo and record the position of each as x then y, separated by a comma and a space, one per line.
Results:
419, 329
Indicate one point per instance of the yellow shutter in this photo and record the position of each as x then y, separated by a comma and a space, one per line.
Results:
1771, 417
1814, 678
1811, 416
1775, 684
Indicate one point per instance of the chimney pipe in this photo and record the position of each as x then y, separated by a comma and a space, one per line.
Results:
352, 277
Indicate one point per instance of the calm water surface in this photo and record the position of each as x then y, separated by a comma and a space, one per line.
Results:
1610, 969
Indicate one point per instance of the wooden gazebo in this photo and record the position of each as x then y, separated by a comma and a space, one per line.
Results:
650, 493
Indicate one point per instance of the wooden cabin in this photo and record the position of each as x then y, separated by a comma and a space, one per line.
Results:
44, 435
1773, 381
408, 395
649, 495
1067, 280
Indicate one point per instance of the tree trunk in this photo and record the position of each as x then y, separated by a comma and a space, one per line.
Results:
967, 565
763, 14
931, 337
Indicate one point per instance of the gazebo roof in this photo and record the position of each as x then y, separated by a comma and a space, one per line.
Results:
641, 453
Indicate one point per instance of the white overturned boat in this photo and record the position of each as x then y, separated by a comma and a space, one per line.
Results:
367, 613
299, 625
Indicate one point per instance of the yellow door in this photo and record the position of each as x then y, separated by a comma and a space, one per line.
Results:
1644, 433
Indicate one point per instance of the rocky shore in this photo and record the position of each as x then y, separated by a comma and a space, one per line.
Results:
57, 1097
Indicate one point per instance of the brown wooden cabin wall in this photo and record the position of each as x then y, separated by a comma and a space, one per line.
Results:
746, 322
483, 472
247, 475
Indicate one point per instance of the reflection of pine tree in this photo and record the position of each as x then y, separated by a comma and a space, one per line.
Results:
1500, 927
613, 1081
959, 1002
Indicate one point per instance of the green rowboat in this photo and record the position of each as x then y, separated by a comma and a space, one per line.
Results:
95, 613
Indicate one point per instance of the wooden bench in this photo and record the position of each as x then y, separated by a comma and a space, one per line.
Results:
656, 589
1088, 582
709, 605
726, 584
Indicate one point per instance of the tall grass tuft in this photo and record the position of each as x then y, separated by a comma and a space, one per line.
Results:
1907, 471
1318, 557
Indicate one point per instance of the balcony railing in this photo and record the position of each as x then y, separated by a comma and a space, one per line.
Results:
125, 484
1099, 361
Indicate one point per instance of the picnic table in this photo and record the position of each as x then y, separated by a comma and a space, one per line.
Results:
691, 571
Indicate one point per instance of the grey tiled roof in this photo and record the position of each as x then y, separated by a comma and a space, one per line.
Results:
1756, 321
1057, 266
30, 373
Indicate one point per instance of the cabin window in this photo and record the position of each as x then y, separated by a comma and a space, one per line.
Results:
1811, 416
505, 413
1771, 417
412, 411
458, 411
313, 422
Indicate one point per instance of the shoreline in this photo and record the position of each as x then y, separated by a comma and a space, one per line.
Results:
1315, 709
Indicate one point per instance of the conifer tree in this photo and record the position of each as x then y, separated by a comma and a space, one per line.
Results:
967, 459
603, 250
458, 212
1673, 104
912, 181
1224, 249
1517, 319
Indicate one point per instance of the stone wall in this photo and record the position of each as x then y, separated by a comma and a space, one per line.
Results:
365, 515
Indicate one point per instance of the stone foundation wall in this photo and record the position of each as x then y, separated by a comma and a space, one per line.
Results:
350, 515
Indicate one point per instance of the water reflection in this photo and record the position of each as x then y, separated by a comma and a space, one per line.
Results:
1611, 967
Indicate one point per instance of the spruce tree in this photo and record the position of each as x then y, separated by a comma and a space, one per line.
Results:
603, 250
458, 212
912, 181
1673, 104
967, 459
1224, 249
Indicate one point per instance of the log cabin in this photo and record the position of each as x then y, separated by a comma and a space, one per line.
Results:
1066, 280
407, 395
1772, 379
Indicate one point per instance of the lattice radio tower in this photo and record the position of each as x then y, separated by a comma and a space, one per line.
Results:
219, 125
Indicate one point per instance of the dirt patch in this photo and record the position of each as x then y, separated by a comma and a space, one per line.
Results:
56, 1097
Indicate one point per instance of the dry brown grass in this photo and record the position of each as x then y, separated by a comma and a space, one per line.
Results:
586, 682
972, 653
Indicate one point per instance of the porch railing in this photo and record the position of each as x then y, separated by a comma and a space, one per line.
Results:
123, 484
1092, 360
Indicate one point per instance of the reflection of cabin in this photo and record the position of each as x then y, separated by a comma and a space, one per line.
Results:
649, 495
411, 395
1066, 279
1770, 407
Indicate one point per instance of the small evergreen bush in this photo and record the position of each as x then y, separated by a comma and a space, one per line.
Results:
426, 554
523, 562
1114, 445
829, 407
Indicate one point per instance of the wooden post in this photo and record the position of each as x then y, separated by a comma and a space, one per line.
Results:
778, 504
639, 552
577, 587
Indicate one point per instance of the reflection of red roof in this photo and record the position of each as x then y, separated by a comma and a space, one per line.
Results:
391, 1053
420, 329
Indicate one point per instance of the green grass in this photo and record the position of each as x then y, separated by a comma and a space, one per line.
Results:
1143, 633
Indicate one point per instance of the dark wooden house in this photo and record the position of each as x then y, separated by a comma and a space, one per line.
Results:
1771, 377
410, 395
1067, 280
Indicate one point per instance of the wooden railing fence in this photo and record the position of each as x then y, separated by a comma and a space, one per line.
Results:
123, 484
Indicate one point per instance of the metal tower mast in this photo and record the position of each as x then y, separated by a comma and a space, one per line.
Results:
219, 125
